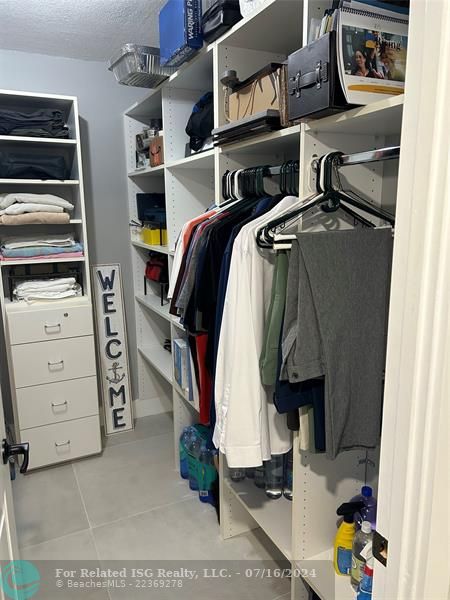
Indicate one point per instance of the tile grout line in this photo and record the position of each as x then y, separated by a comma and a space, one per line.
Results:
56, 539
143, 512
81, 495
148, 437
91, 533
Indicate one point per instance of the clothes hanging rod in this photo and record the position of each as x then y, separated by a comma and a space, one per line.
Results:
370, 156
275, 170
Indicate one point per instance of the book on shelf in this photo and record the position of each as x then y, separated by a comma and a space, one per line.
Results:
372, 42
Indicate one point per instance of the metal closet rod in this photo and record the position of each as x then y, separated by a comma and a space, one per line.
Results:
370, 156
359, 158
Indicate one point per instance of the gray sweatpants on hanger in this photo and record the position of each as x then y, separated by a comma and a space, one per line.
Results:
336, 325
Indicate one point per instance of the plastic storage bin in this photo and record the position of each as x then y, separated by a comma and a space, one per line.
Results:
139, 66
154, 234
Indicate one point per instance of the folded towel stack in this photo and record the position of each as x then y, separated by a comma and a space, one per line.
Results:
47, 289
52, 246
26, 209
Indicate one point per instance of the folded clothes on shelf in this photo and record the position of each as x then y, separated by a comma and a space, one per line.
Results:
39, 123
52, 246
47, 289
41, 251
65, 239
20, 209
10, 199
35, 218
40, 256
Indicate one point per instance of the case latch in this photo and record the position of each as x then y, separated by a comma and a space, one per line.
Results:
316, 77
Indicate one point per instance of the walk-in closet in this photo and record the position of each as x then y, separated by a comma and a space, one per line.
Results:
224, 299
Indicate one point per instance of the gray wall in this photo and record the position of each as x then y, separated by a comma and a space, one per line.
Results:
101, 103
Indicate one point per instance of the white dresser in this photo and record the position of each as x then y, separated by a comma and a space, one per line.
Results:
50, 345
53, 371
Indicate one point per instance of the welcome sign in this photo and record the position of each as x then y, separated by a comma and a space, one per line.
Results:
112, 344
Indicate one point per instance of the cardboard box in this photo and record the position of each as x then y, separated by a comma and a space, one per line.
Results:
256, 94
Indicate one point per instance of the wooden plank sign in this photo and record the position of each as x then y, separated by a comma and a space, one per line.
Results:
112, 348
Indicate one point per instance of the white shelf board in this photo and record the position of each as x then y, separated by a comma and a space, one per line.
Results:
184, 395
42, 261
153, 303
154, 248
176, 323
18, 139
147, 171
65, 302
159, 359
197, 74
150, 107
379, 118
202, 160
324, 580
31, 100
39, 181
273, 516
275, 27
282, 140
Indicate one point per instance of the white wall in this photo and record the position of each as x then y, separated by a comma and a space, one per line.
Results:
101, 102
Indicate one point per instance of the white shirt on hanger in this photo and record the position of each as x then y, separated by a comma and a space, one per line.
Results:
248, 428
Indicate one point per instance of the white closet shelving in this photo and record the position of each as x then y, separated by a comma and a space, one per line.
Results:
304, 529
50, 347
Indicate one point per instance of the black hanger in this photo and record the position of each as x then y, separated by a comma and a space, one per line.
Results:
265, 235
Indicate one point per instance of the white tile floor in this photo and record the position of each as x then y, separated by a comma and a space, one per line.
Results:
130, 504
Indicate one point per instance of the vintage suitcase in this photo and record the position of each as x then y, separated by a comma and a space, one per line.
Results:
219, 17
156, 151
314, 88
257, 93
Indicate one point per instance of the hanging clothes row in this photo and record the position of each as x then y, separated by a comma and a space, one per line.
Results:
296, 330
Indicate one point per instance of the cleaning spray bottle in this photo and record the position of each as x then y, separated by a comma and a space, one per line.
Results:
366, 584
343, 542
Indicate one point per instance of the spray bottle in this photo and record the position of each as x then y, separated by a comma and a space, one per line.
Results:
365, 586
343, 543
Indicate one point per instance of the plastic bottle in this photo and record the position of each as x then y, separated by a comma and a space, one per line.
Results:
205, 479
369, 511
360, 541
365, 587
193, 450
343, 542
184, 441
260, 476
237, 474
274, 477
288, 468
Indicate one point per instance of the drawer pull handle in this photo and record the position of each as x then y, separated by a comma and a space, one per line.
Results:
55, 404
49, 326
59, 363
59, 444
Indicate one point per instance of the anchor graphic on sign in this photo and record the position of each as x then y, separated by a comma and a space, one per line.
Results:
117, 378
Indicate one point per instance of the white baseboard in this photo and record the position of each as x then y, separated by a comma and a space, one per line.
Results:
144, 407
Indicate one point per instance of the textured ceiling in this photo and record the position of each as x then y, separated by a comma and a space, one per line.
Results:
84, 29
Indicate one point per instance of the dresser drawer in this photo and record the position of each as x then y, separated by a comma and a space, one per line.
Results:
63, 441
56, 402
47, 362
39, 325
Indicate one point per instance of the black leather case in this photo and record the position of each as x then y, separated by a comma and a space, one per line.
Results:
314, 88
